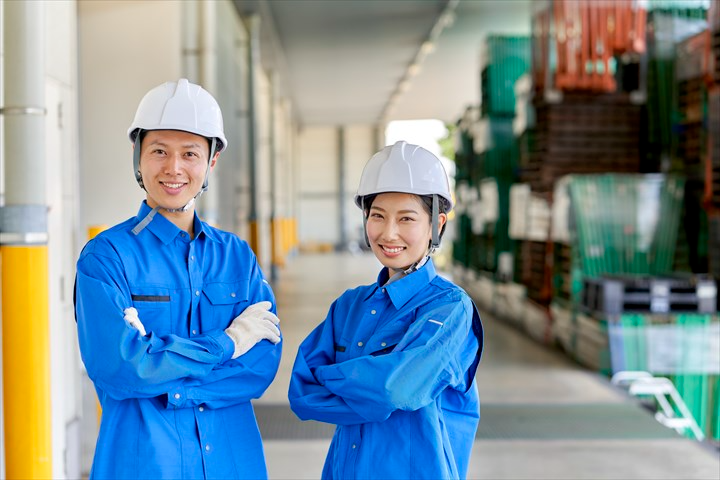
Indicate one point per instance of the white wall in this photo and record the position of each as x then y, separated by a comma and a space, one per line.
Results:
317, 172
126, 48
360, 145
318, 176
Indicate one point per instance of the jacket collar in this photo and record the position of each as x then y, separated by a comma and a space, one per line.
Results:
402, 290
166, 231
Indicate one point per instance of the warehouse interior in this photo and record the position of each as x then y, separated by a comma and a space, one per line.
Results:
583, 139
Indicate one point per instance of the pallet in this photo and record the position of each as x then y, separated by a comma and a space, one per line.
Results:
584, 133
616, 294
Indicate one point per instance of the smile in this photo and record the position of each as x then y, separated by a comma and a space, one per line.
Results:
393, 250
172, 185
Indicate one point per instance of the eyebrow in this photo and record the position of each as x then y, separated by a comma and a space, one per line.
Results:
400, 211
163, 144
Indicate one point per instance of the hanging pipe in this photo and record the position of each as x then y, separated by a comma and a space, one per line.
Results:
253, 68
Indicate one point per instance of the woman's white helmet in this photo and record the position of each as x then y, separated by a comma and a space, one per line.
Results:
181, 106
406, 168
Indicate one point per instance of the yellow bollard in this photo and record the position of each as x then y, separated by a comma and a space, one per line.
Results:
26, 361
254, 239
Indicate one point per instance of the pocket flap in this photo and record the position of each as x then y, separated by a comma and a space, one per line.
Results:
226, 293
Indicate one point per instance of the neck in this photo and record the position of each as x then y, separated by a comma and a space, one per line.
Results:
183, 220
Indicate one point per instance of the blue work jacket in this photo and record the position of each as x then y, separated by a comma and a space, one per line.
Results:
174, 403
393, 367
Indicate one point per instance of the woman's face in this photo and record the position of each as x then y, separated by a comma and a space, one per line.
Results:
399, 229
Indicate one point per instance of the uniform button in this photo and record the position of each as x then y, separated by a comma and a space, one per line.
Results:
383, 344
353, 446
360, 344
197, 293
192, 257
177, 396
207, 448
232, 294
194, 332
373, 312
202, 409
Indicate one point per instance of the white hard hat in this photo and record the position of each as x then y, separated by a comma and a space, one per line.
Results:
404, 168
182, 106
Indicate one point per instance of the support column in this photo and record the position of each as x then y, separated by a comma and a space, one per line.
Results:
23, 248
253, 25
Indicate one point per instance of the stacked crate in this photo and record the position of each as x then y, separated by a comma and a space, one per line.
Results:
576, 44
582, 133
465, 166
622, 224
587, 117
489, 165
688, 148
712, 162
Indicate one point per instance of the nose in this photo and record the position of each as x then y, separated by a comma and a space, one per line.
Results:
172, 164
390, 231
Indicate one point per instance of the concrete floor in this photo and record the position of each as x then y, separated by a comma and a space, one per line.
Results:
543, 417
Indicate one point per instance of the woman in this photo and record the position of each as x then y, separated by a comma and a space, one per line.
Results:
393, 364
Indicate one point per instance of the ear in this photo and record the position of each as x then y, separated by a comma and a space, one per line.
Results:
214, 160
442, 218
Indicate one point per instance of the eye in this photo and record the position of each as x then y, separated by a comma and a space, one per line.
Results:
407, 219
192, 154
375, 215
158, 151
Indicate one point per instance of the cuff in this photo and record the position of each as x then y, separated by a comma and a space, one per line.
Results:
225, 342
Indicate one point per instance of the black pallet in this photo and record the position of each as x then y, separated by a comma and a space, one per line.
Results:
616, 294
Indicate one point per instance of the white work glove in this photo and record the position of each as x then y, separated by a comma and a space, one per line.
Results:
131, 317
255, 323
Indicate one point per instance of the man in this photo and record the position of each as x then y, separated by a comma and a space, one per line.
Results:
175, 320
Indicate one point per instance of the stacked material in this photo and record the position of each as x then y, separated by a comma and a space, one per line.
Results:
584, 133
714, 26
690, 78
712, 172
505, 59
487, 158
626, 223
577, 43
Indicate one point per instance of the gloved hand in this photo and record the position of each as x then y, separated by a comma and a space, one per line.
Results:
131, 317
255, 323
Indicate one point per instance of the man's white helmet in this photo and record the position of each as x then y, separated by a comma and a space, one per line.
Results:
181, 106
404, 168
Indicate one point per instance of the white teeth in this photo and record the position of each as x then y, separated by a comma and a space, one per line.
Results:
393, 250
173, 185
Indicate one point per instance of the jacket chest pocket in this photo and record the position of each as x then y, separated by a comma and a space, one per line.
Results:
223, 302
384, 341
154, 309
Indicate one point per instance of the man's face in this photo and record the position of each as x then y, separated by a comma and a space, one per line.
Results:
173, 165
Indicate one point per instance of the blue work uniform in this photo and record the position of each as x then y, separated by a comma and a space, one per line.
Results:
174, 403
393, 367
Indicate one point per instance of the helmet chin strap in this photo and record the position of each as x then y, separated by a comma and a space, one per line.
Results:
138, 176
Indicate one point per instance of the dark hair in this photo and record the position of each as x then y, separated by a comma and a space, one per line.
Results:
426, 201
